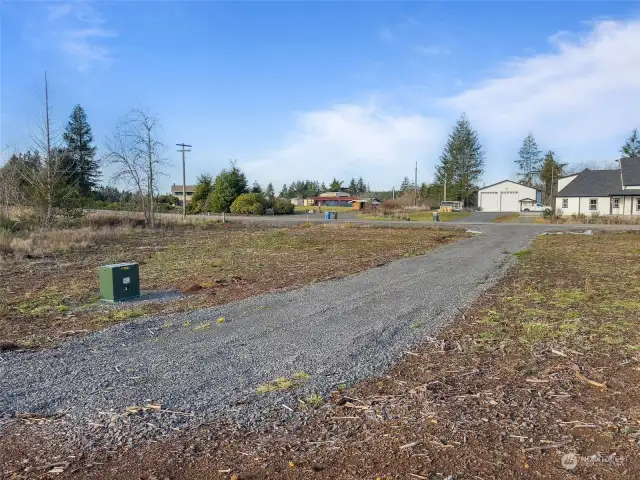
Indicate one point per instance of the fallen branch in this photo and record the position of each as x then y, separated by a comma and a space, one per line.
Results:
409, 445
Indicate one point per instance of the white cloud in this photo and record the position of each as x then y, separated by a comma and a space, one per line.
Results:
78, 32
580, 99
351, 140
586, 91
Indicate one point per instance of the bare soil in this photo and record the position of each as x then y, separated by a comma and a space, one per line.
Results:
54, 296
539, 379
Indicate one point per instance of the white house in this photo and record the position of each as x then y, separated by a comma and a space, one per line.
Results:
506, 196
603, 192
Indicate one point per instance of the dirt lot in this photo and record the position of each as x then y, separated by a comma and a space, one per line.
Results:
55, 295
540, 379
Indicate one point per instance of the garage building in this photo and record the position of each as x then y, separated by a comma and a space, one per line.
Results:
505, 196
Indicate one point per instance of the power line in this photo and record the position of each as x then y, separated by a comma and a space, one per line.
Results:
183, 149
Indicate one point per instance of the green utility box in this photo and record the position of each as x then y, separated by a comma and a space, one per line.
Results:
119, 282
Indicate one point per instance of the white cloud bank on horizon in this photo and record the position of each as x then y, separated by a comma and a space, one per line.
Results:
581, 99
349, 140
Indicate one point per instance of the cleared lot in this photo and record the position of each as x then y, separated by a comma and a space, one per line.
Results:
539, 379
55, 294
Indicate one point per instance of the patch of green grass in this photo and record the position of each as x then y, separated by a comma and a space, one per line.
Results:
186, 324
42, 303
220, 320
568, 297
416, 325
314, 400
488, 336
167, 324
536, 332
283, 383
421, 216
522, 253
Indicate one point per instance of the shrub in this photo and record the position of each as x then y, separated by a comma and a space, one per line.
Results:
249, 204
282, 206
7, 223
5, 242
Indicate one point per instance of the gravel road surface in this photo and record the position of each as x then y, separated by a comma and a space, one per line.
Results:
338, 332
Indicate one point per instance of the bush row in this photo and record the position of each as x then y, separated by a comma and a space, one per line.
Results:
257, 204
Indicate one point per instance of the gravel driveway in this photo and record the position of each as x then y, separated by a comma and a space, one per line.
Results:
337, 331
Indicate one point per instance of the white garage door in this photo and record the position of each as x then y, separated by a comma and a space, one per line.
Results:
509, 202
489, 201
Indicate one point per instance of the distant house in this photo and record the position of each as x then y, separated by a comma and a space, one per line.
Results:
332, 199
363, 203
603, 192
297, 201
176, 191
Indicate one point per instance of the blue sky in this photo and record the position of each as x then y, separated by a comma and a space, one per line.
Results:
315, 90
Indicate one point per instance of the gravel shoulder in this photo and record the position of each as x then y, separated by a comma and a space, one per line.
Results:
200, 368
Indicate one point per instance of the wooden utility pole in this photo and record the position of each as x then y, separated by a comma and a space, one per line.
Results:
183, 149
415, 187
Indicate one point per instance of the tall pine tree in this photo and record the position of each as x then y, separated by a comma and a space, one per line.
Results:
405, 185
631, 147
530, 160
270, 192
85, 169
461, 162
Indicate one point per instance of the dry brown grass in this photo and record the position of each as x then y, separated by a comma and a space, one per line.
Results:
582, 219
42, 243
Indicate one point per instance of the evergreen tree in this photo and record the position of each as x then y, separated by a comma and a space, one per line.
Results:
84, 168
549, 173
323, 188
270, 192
335, 185
461, 162
362, 187
529, 161
256, 188
353, 187
631, 148
284, 192
228, 186
405, 186
203, 189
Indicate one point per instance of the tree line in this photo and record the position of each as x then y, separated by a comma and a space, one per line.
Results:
229, 191
61, 173
310, 188
542, 171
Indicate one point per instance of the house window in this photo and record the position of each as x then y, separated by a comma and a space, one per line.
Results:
565, 203
593, 204
638, 205
616, 203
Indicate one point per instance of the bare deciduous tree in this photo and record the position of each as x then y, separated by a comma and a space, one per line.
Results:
46, 184
10, 194
136, 155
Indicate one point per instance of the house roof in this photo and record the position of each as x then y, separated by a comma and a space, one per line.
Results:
502, 181
527, 200
630, 168
594, 183
178, 188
